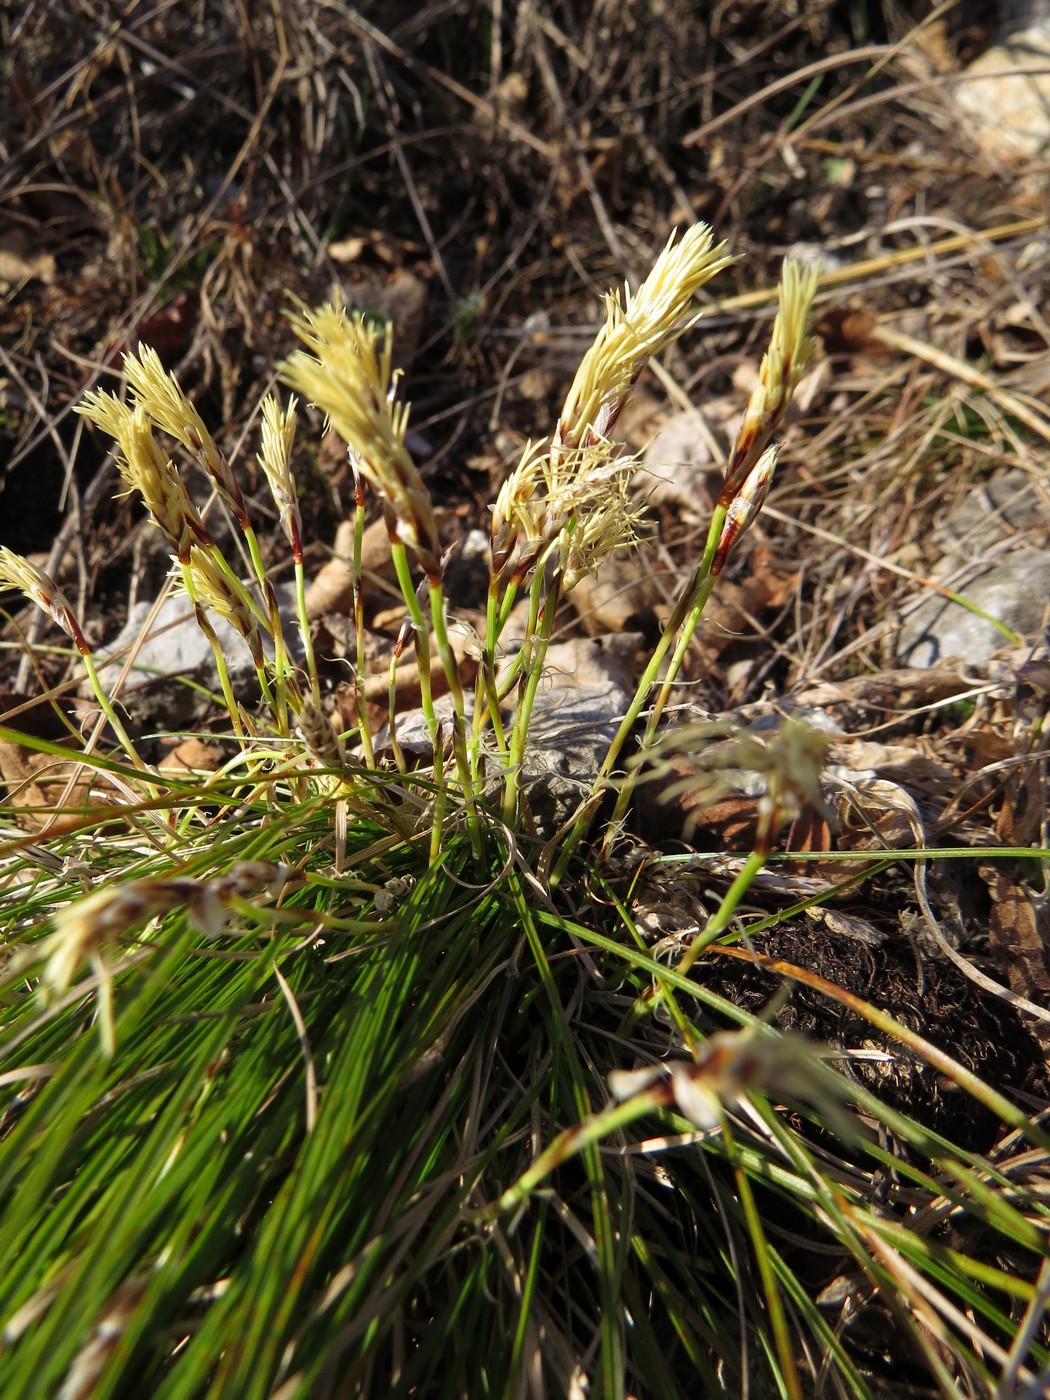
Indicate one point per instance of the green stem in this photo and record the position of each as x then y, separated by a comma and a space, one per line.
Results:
107, 708
309, 659
533, 653
391, 716
715, 926
571, 1141
782, 1338
278, 703
426, 696
681, 626
455, 684
719, 920
232, 707
486, 695
357, 602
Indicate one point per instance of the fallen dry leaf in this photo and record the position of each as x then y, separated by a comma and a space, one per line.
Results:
22, 261
622, 597
44, 792
1018, 935
190, 756
331, 591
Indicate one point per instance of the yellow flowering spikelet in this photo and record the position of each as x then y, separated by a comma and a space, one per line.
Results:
346, 371
275, 458
161, 395
148, 469
637, 326
579, 485
783, 365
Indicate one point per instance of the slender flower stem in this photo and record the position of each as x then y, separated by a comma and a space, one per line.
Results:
426, 694
391, 715
459, 722
364, 728
571, 1141
220, 659
107, 708
681, 625
448, 658
715, 926
534, 653
304, 632
719, 920
486, 697
422, 637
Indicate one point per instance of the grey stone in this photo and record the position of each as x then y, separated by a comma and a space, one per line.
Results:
679, 463
1004, 94
585, 692
174, 672
996, 510
1013, 588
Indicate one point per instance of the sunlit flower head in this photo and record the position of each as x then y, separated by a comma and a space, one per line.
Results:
783, 365
345, 371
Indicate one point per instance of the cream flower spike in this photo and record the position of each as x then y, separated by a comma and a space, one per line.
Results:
148, 470
783, 365
637, 326
580, 484
275, 458
346, 371
162, 397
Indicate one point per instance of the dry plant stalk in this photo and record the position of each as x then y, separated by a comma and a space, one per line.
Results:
732, 1065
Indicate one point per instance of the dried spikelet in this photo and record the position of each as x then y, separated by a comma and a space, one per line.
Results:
315, 730
637, 326
730, 1065
208, 901
161, 395
216, 591
149, 471
518, 509
745, 506
722, 757
347, 373
41, 589
275, 458
88, 929
92, 924
783, 365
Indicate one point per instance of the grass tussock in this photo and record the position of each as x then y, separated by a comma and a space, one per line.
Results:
338, 1066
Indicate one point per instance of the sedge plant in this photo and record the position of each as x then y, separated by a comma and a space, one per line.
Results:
360, 1112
